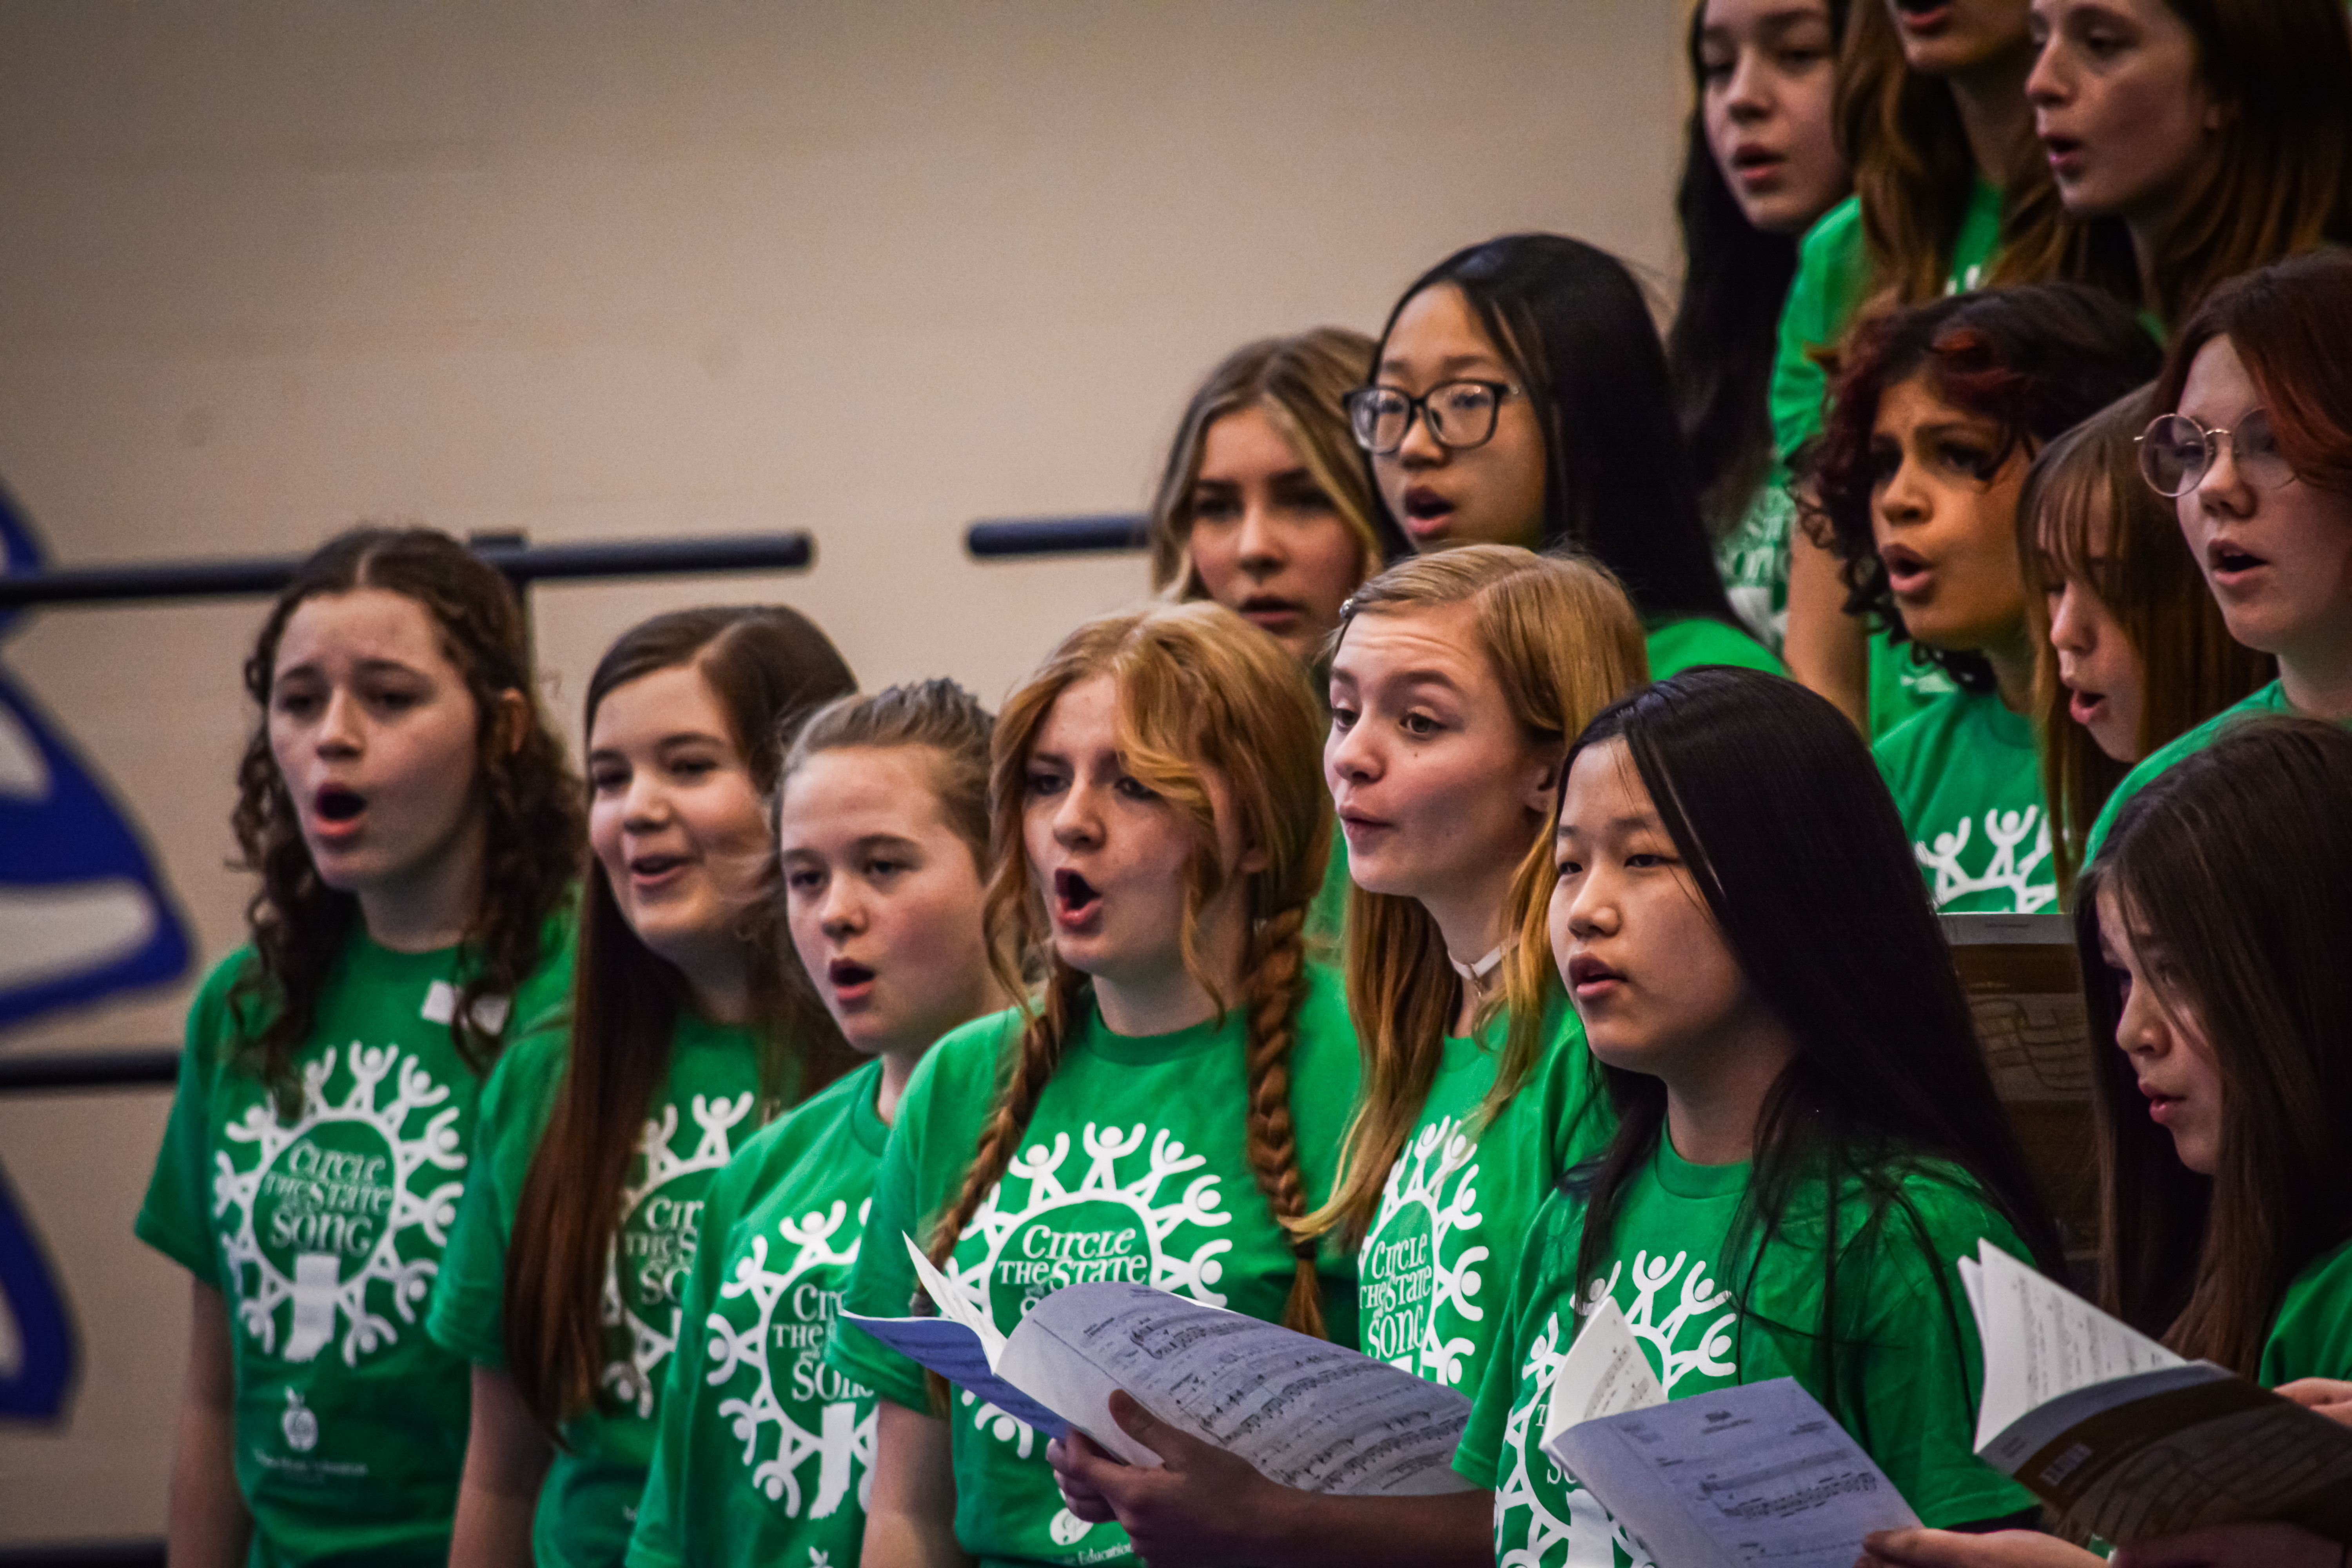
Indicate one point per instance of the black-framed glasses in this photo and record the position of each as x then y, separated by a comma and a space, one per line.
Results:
2176, 452
1457, 414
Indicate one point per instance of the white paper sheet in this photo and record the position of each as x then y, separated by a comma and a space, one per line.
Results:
1759, 1474
1306, 1413
1604, 1373
961, 1345
956, 1353
950, 1301
2041, 1340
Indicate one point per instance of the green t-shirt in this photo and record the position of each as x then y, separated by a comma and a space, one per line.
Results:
1753, 560
1684, 642
1437, 1258
2312, 1334
324, 1234
1132, 1167
1908, 1374
2271, 699
1831, 282
766, 1453
1902, 685
707, 1106
1966, 774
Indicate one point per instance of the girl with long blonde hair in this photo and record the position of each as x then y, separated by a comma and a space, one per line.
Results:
1456, 682
1264, 507
1166, 1106
1263, 504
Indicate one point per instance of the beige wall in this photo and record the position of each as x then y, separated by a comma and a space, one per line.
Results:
632, 269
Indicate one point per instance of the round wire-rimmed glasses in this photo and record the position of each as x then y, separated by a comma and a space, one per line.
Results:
2176, 452
1457, 414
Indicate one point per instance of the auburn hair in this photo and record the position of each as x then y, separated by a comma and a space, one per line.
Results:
1297, 382
1912, 169
1562, 641
2235, 864
766, 667
1201, 694
533, 825
2085, 515
2281, 320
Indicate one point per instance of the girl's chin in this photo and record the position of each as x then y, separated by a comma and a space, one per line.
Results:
2114, 746
873, 1042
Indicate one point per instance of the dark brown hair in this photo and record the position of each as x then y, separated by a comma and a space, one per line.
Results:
1720, 348
1201, 692
2234, 867
2285, 322
767, 666
2277, 178
529, 795
2034, 361
2145, 575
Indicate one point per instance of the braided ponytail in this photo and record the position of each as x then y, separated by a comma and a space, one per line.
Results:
1277, 971
1201, 693
1045, 1033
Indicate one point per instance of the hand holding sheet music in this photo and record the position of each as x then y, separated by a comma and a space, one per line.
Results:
1759, 1474
1304, 1411
2124, 1438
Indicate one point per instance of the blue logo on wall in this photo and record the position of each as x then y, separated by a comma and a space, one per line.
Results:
84, 914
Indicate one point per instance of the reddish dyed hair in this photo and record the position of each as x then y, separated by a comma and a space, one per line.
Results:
2286, 321
2034, 360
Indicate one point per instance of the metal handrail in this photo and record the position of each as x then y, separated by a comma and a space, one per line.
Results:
521, 562
1014, 538
32, 1072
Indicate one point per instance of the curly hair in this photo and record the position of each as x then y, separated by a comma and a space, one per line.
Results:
2034, 360
529, 796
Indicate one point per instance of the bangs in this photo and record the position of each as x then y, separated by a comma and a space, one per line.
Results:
1161, 729
2084, 482
2070, 503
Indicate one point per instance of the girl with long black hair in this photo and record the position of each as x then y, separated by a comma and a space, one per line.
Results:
2210, 930
1761, 162
1807, 1135
1520, 395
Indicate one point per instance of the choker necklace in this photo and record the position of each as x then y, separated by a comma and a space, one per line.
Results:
1474, 974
